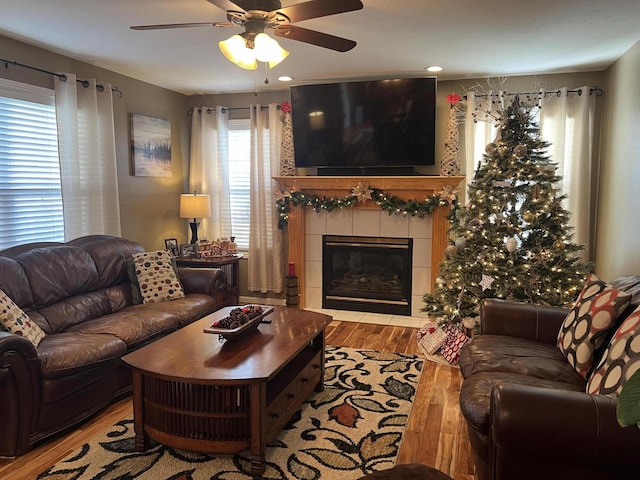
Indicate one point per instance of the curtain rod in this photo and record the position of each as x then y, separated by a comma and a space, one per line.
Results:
61, 76
226, 109
595, 90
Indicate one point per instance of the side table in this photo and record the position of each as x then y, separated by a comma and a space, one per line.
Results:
230, 265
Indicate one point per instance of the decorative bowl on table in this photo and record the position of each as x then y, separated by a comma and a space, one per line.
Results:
241, 321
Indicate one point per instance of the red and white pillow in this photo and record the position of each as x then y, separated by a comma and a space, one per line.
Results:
584, 329
620, 360
156, 277
13, 318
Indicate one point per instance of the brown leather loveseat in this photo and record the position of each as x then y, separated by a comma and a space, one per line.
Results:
79, 293
526, 409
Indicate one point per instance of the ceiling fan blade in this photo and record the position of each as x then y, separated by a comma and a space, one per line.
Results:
315, 38
319, 8
181, 25
227, 5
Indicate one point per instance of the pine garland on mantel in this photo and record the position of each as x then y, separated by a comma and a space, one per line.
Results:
361, 193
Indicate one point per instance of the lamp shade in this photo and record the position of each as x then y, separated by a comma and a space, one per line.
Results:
236, 51
267, 49
246, 51
195, 205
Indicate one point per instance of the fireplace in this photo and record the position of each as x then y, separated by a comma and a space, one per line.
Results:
369, 274
405, 188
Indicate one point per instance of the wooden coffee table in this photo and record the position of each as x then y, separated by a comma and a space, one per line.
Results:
193, 391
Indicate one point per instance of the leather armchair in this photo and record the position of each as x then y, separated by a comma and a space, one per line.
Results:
527, 412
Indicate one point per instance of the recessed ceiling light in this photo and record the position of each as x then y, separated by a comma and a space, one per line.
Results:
434, 68
285, 78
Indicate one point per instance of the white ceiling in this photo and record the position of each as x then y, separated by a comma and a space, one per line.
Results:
469, 38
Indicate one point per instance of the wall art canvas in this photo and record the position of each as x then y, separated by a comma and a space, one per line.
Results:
150, 146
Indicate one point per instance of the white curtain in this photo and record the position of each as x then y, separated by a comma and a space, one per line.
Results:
567, 122
266, 264
479, 129
209, 167
87, 149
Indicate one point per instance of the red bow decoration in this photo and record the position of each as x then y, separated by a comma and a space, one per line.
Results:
285, 107
453, 98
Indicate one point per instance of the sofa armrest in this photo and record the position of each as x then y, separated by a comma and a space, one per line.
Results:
20, 392
558, 427
209, 281
526, 320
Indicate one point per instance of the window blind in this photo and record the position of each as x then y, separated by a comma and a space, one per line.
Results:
239, 180
30, 190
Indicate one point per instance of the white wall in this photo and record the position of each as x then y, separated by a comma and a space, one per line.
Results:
618, 231
148, 205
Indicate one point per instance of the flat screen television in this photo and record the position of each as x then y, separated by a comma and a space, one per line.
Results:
367, 127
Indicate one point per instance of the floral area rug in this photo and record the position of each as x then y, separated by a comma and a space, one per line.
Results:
353, 427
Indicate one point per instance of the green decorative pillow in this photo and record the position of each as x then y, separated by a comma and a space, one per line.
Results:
585, 327
157, 278
620, 360
14, 320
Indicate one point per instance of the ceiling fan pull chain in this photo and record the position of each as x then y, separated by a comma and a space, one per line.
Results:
255, 84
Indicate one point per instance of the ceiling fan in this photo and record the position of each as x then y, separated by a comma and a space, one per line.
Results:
257, 16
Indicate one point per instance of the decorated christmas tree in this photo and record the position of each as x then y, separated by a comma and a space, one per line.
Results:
512, 239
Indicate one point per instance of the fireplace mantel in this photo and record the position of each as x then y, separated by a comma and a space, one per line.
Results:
405, 188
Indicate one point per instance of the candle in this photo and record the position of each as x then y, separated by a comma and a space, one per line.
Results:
292, 269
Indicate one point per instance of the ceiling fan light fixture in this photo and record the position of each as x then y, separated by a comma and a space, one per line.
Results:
236, 51
262, 47
268, 50
247, 49
278, 54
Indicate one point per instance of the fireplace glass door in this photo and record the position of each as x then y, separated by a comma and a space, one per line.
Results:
369, 274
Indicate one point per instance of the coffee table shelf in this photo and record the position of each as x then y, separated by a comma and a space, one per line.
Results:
193, 392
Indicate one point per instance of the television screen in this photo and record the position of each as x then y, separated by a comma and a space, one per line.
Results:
376, 123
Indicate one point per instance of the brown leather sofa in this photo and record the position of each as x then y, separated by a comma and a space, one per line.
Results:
526, 409
79, 293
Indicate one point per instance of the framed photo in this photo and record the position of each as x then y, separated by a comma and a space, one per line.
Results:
150, 146
188, 250
171, 244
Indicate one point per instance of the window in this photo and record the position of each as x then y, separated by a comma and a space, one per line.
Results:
239, 180
30, 189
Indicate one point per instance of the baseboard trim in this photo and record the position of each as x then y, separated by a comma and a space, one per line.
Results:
262, 300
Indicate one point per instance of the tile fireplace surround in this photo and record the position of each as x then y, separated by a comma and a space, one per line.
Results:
306, 228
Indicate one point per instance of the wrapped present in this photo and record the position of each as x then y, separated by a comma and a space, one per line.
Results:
456, 339
431, 337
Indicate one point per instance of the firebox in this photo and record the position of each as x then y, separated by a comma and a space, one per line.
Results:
368, 274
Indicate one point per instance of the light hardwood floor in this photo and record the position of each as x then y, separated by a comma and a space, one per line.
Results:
436, 432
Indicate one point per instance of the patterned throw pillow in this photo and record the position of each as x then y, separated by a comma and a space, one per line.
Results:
456, 339
16, 321
585, 327
621, 359
431, 337
156, 277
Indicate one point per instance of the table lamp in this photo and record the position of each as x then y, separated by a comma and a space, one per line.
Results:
194, 205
